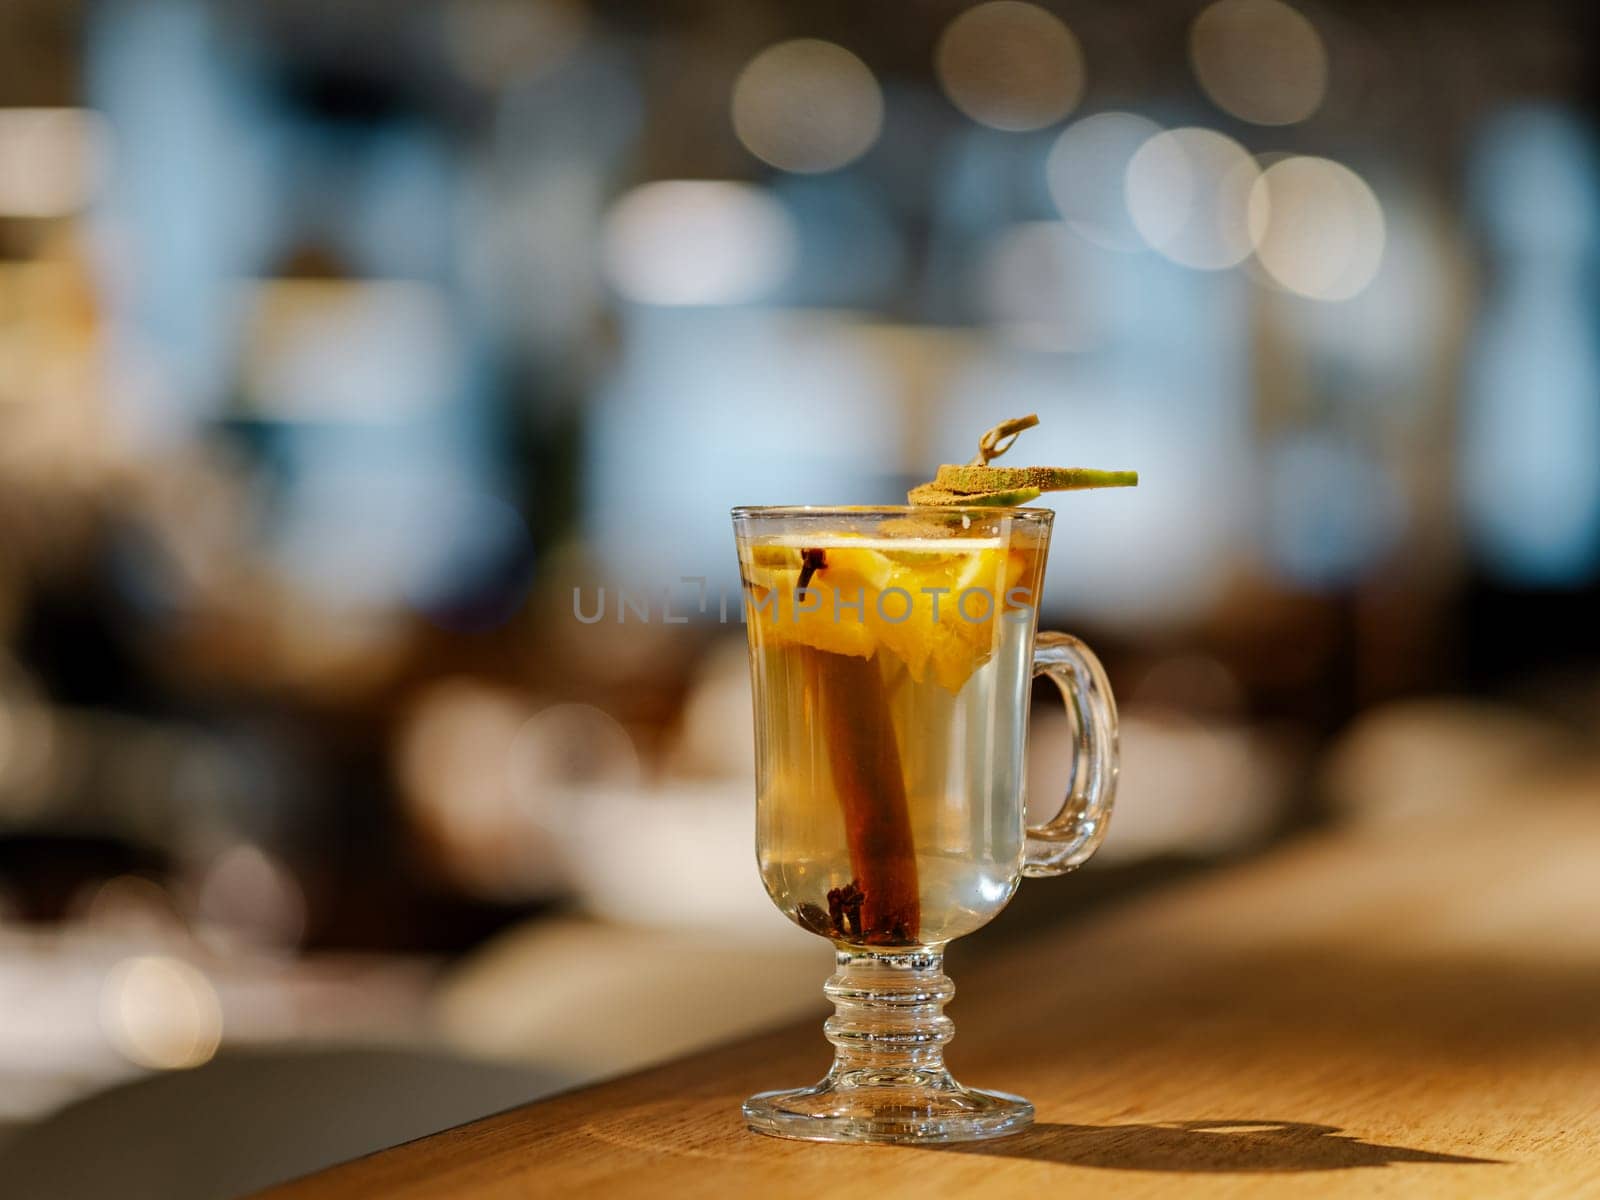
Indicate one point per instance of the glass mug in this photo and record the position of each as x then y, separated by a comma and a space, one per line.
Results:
892, 652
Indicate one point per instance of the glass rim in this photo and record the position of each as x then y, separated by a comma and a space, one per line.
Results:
1016, 512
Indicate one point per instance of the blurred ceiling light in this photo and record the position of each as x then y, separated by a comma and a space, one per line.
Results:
1086, 170
52, 160
501, 43
683, 242
1260, 60
1318, 229
807, 105
161, 1012
1188, 192
1010, 65
1039, 288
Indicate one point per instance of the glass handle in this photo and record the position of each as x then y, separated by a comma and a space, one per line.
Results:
1073, 834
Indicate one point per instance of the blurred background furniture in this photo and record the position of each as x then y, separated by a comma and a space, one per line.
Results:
243, 1121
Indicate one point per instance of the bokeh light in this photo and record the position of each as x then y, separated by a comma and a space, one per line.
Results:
161, 1012
452, 760
807, 105
131, 905
698, 242
1260, 60
52, 160
567, 747
1317, 228
1188, 193
1011, 66
248, 892
1086, 171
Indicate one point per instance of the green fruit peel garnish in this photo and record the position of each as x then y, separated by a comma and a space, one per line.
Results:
979, 484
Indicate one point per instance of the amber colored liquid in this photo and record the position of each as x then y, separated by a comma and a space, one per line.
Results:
890, 777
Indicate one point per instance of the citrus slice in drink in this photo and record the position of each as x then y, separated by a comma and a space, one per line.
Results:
931, 602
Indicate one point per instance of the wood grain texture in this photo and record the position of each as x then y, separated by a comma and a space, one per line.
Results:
1407, 1014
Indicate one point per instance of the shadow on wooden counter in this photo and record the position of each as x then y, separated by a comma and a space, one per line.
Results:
1202, 1146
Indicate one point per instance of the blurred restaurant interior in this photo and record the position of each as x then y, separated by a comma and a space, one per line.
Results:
347, 351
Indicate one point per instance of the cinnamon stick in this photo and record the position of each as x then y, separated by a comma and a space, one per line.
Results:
864, 759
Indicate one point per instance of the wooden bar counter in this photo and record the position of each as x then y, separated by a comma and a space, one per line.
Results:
1397, 1013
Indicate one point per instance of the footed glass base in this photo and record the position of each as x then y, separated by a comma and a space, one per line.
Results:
826, 1113
888, 1082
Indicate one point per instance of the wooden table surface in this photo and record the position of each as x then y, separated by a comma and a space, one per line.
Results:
1402, 1013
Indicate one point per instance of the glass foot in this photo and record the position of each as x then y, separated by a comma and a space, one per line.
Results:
888, 1082
877, 1113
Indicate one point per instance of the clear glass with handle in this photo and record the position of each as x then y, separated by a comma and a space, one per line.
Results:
892, 654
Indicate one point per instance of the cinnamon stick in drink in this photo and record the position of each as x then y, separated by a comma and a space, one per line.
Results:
864, 759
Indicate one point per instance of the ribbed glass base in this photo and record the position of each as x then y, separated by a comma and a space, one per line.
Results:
825, 1113
888, 1082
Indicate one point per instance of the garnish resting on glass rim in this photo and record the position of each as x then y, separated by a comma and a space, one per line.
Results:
979, 484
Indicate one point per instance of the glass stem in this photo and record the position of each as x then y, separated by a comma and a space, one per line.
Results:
888, 1026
